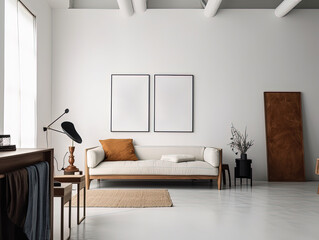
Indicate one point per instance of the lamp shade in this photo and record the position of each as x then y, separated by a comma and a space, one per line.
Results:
69, 130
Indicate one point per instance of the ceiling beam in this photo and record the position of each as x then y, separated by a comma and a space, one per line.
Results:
126, 7
285, 7
140, 6
212, 7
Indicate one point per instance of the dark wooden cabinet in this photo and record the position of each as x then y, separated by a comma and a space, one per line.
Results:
14, 160
285, 150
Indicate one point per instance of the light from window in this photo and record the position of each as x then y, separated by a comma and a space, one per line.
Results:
20, 84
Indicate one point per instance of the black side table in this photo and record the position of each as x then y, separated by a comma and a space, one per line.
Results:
243, 170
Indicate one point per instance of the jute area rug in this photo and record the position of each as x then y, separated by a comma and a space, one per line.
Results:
126, 198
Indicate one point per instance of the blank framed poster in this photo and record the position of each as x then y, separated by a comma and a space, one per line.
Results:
173, 103
130, 102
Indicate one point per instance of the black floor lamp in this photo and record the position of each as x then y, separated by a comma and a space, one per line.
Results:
68, 129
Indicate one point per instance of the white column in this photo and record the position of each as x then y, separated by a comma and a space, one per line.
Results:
285, 7
126, 7
140, 6
212, 8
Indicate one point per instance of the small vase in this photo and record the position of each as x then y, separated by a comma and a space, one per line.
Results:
243, 156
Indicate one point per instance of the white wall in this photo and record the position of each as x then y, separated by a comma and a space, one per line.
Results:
235, 57
1, 64
43, 18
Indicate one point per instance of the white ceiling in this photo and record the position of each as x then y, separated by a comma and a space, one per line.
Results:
180, 4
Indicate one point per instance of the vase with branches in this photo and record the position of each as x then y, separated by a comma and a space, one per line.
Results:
239, 142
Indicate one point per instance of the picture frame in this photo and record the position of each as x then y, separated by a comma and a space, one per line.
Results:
130, 103
173, 103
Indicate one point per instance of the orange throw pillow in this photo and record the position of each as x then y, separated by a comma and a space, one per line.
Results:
119, 149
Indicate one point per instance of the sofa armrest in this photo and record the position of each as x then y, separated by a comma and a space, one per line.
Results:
95, 156
212, 156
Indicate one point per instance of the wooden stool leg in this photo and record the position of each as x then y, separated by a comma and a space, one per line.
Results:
224, 177
79, 220
62, 218
69, 219
251, 177
78, 205
84, 203
229, 179
318, 189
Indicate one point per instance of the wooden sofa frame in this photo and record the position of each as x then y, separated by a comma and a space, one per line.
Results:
89, 178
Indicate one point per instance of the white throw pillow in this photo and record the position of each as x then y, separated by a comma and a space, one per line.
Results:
178, 158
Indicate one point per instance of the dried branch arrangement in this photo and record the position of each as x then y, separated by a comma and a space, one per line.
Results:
239, 142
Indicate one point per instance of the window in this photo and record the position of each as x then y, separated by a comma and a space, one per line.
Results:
20, 80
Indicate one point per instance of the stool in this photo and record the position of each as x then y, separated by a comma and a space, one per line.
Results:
79, 180
224, 168
317, 171
64, 192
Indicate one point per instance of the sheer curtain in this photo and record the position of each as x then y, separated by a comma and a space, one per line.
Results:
20, 85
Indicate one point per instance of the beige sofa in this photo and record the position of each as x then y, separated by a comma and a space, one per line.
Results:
207, 164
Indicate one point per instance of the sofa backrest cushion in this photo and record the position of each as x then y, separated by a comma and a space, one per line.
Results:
156, 152
211, 155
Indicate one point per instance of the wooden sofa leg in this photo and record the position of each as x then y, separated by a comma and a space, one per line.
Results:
87, 183
219, 182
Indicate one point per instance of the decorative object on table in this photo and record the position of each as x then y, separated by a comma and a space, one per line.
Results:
5, 140
173, 103
5, 143
130, 96
285, 149
243, 170
239, 142
317, 170
129, 198
68, 129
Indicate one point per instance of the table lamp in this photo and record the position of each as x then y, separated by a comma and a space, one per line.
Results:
68, 129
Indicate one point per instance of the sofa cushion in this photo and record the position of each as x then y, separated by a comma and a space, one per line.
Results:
154, 167
156, 152
118, 149
211, 155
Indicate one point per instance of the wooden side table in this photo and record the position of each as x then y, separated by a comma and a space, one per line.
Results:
65, 193
79, 180
243, 170
317, 171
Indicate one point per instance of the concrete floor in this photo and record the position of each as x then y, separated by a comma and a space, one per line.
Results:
268, 211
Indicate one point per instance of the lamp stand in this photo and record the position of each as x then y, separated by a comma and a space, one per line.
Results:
71, 169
